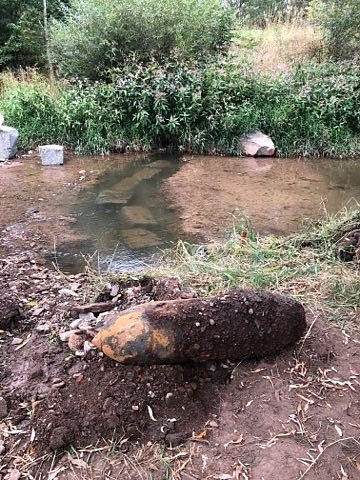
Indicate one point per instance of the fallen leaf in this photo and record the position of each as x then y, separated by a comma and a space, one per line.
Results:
151, 413
237, 441
201, 434
338, 430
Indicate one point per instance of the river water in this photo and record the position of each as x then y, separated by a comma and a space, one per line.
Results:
122, 210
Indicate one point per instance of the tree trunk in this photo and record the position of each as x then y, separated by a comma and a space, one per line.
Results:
47, 44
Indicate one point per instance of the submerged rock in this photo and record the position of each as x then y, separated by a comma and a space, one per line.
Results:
138, 215
237, 326
136, 238
121, 192
258, 144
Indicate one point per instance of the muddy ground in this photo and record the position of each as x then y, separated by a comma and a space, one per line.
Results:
293, 416
67, 412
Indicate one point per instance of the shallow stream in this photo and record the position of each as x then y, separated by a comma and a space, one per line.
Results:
120, 210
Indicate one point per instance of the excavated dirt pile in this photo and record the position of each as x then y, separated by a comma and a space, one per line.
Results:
252, 417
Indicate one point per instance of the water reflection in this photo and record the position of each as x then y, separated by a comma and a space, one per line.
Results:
148, 204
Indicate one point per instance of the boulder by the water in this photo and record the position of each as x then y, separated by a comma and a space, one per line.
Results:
257, 144
8, 141
51, 154
236, 326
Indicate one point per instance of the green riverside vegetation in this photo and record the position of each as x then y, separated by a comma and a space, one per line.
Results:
195, 107
147, 74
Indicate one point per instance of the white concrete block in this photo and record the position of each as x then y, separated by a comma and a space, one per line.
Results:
51, 154
8, 142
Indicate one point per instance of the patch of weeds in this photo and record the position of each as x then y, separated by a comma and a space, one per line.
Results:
306, 266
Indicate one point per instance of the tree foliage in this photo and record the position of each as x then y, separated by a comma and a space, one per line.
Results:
94, 36
340, 20
261, 12
22, 41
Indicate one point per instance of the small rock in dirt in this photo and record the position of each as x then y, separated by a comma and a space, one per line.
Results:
176, 439
60, 438
74, 325
43, 328
16, 341
64, 336
75, 342
13, 474
3, 408
114, 290
2, 447
67, 292
170, 399
213, 424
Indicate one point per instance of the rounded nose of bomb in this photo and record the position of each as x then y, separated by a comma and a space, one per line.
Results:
129, 338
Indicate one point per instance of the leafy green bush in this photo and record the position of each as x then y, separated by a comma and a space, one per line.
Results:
312, 111
94, 36
340, 20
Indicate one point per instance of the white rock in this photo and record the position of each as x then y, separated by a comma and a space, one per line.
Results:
258, 144
51, 154
8, 142
64, 336
43, 328
67, 292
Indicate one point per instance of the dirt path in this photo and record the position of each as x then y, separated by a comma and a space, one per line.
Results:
286, 418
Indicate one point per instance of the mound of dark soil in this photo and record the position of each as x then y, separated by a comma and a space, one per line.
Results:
288, 417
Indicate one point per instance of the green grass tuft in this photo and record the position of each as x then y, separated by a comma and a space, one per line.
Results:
306, 266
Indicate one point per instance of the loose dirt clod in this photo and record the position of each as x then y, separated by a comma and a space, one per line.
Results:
239, 325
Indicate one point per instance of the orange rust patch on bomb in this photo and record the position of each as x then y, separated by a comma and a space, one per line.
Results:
160, 343
116, 336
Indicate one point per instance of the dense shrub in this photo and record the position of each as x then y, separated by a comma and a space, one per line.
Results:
340, 20
94, 36
312, 111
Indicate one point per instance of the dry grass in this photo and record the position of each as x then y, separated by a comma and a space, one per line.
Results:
278, 47
107, 460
